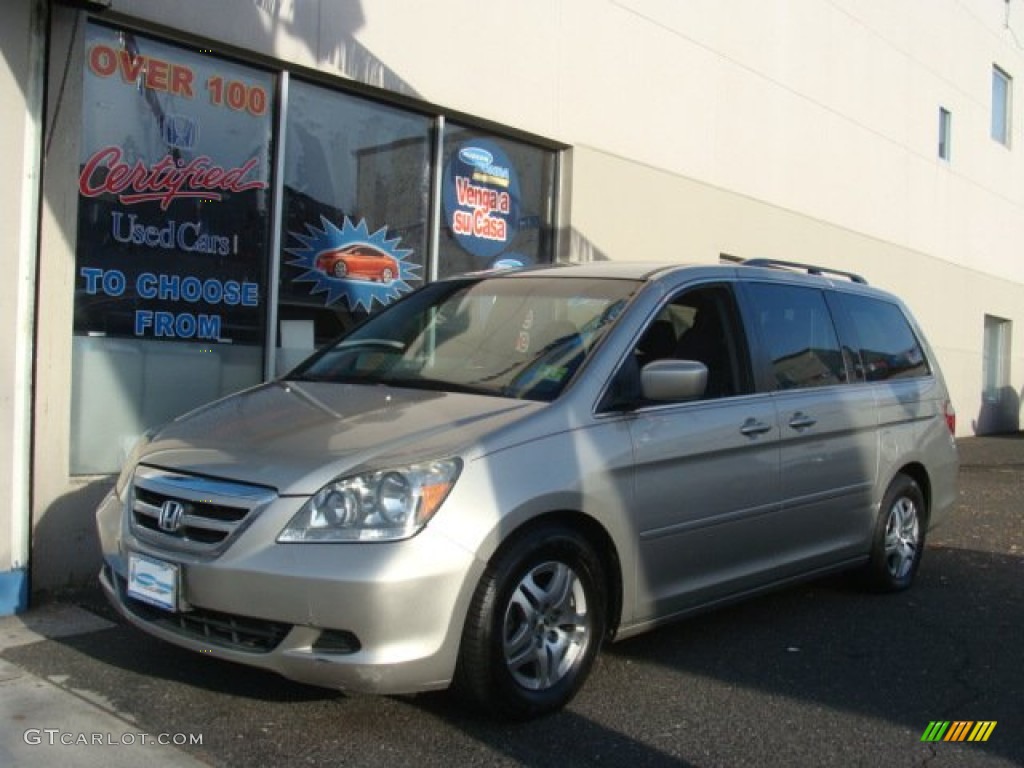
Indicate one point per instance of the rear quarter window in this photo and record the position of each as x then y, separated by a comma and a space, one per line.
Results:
888, 347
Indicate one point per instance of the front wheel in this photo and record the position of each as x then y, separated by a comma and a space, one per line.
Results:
535, 625
898, 542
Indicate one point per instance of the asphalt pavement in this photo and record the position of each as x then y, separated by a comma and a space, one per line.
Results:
815, 675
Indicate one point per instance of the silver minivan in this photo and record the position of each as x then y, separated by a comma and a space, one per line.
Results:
484, 482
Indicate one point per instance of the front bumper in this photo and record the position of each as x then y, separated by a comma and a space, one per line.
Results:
361, 617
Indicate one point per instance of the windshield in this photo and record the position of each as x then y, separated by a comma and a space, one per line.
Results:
512, 336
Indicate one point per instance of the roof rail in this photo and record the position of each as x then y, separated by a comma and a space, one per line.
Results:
810, 269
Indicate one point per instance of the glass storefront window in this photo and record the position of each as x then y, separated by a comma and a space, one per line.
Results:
356, 214
174, 278
173, 231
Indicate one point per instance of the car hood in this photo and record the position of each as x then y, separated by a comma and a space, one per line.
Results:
298, 436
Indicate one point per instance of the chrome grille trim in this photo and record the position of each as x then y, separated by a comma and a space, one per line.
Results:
214, 512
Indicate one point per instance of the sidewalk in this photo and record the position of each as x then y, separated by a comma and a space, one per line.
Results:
43, 723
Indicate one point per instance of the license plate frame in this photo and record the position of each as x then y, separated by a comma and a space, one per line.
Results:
154, 582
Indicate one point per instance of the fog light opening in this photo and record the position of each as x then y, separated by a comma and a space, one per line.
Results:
336, 641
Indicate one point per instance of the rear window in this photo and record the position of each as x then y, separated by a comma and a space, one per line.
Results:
887, 344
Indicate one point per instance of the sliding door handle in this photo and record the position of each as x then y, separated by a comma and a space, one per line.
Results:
753, 427
801, 421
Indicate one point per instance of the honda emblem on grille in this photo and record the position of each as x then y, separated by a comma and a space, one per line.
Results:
171, 512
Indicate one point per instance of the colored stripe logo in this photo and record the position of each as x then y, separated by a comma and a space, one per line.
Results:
958, 730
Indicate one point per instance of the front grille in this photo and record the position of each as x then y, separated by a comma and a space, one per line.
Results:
240, 633
190, 513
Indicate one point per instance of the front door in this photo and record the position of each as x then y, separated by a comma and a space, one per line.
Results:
706, 471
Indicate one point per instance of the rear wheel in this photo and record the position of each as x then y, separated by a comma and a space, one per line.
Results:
535, 625
898, 542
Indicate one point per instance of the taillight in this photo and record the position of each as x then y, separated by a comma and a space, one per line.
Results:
950, 414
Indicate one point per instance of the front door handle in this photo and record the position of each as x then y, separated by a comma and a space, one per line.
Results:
753, 427
801, 421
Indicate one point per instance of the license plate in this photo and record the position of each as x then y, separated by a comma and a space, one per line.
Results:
153, 582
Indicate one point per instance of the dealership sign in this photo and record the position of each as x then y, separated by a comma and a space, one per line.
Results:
173, 213
481, 199
165, 181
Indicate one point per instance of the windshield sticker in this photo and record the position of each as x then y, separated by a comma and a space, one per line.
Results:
350, 264
553, 372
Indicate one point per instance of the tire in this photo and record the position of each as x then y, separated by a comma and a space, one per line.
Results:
535, 625
386, 275
340, 269
898, 542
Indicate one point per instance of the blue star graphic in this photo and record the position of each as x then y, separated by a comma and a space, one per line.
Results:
358, 293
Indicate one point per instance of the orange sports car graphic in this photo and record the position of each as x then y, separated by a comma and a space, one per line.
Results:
358, 261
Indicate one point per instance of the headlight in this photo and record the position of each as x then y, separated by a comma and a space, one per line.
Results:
386, 505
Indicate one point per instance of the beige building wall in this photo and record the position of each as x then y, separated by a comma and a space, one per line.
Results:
64, 546
792, 129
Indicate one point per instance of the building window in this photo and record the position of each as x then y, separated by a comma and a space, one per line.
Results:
1000, 403
1001, 104
356, 211
174, 222
996, 357
497, 197
358, 202
945, 132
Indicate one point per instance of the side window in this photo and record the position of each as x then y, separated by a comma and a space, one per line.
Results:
888, 347
701, 324
799, 336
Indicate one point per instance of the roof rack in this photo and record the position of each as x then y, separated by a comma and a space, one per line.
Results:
810, 269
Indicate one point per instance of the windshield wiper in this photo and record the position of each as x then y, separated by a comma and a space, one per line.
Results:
437, 385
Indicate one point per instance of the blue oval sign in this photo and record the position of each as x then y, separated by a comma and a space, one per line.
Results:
476, 156
480, 194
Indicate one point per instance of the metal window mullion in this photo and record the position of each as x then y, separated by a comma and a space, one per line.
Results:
277, 224
555, 207
434, 249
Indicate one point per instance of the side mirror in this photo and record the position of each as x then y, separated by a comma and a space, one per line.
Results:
673, 380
